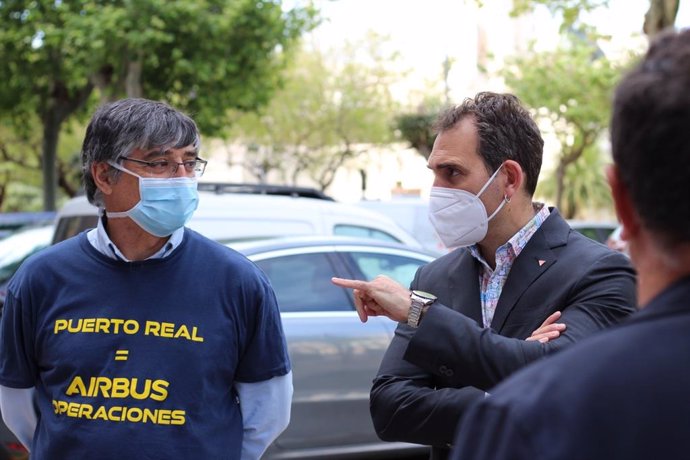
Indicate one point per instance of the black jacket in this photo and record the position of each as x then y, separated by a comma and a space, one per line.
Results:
429, 376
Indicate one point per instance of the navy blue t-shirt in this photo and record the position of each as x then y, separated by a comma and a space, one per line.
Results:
138, 359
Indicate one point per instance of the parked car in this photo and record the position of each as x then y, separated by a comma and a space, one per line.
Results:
11, 222
15, 248
334, 356
596, 230
412, 214
227, 216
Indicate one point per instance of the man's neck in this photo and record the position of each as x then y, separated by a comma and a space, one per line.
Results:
132, 241
657, 269
509, 221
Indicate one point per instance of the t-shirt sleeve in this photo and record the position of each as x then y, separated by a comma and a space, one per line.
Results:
265, 353
18, 368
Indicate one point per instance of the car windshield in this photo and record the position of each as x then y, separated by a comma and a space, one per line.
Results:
17, 247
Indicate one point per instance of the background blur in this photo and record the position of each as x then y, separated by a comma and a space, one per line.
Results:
337, 95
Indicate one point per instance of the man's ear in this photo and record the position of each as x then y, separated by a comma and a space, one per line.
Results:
100, 171
514, 177
624, 207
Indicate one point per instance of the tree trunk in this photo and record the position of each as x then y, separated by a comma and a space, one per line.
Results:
560, 179
660, 15
61, 105
103, 81
51, 134
63, 181
3, 189
133, 79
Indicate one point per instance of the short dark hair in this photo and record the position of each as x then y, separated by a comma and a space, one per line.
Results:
506, 131
650, 136
117, 128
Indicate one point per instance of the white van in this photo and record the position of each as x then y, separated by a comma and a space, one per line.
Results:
412, 214
230, 217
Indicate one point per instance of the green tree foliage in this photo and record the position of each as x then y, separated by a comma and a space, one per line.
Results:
21, 180
587, 188
417, 129
18, 158
205, 57
570, 90
330, 105
417, 126
660, 15
568, 11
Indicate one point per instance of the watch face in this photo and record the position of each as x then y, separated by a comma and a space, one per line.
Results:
424, 295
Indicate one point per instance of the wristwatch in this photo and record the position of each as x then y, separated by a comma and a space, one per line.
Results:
420, 300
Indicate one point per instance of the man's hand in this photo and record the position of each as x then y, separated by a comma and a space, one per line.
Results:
380, 297
549, 329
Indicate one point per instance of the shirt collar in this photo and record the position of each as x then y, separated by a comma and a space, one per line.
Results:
514, 246
100, 240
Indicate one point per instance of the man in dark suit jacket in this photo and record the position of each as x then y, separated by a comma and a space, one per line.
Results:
625, 393
465, 330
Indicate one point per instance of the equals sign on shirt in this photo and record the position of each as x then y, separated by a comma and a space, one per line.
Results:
121, 355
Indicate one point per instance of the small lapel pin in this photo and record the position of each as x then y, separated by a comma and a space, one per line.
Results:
541, 262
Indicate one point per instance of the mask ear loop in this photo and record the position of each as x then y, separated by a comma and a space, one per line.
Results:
123, 213
505, 198
503, 203
488, 182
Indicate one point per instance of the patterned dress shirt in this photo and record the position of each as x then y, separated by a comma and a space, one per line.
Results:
491, 281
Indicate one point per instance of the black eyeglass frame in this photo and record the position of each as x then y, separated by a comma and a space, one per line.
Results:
193, 164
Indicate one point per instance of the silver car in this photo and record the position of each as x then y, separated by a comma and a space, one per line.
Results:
334, 356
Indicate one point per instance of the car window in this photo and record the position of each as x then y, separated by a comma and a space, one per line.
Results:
69, 226
413, 216
302, 282
363, 232
597, 231
400, 268
591, 233
17, 247
12, 222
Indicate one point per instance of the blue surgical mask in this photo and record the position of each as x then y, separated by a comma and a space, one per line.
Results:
166, 204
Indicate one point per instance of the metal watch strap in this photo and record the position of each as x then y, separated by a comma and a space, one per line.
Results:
415, 312
419, 302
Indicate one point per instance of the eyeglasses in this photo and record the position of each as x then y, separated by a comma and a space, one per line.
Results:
196, 166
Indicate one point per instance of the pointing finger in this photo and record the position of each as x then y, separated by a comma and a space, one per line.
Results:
352, 284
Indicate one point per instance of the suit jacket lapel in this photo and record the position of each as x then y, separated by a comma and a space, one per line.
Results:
534, 260
465, 278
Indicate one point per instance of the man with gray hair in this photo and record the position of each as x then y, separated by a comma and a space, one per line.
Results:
141, 338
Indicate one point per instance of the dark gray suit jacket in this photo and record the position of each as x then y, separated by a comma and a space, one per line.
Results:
621, 395
430, 376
